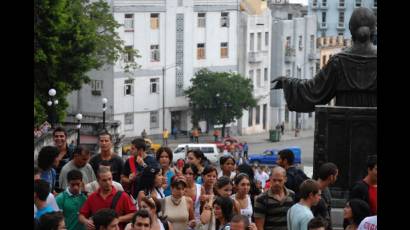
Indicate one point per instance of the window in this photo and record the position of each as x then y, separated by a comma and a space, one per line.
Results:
129, 87
286, 114
312, 42
154, 53
153, 120
96, 87
259, 41
340, 34
258, 114
251, 75
317, 67
179, 2
314, 3
200, 51
224, 50
224, 19
341, 18
154, 85
266, 38
258, 78
154, 21
129, 118
264, 115
324, 60
310, 114
250, 117
375, 3
129, 22
288, 73
201, 19
128, 56
323, 19
358, 3
299, 73
341, 3
288, 42
312, 72
300, 42
324, 2
252, 42
265, 74
289, 16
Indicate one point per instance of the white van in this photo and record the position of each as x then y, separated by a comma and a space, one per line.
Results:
209, 150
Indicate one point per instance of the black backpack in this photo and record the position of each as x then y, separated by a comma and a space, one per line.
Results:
295, 177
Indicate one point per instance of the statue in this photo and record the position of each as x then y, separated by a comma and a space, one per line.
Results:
350, 76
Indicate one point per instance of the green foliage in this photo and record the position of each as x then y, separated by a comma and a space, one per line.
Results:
71, 37
219, 97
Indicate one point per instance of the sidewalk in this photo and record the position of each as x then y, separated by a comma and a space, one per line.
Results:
250, 139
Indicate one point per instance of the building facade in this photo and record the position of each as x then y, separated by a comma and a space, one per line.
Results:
293, 54
175, 40
254, 53
333, 15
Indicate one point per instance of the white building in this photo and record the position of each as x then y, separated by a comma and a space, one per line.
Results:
293, 55
181, 36
254, 62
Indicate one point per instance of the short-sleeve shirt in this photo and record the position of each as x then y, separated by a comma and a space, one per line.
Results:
115, 162
87, 172
96, 202
323, 207
298, 217
169, 174
70, 205
149, 160
274, 211
50, 176
43, 211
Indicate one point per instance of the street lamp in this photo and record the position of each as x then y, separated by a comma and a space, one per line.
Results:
163, 92
104, 101
79, 116
51, 102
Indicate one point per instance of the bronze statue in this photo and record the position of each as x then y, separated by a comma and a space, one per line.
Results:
350, 76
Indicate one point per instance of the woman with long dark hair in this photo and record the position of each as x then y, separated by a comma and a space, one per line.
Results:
217, 214
150, 184
242, 196
354, 212
193, 190
198, 158
207, 190
164, 157
254, 191
223, 188
227, 164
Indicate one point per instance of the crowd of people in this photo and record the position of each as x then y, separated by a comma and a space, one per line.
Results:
77, 190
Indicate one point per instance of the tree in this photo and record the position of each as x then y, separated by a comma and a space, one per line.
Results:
71, 37
219, 97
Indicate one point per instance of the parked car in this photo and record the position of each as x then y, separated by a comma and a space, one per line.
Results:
269, 156
210, 151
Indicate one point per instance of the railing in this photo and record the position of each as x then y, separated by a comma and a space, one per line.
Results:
290, 54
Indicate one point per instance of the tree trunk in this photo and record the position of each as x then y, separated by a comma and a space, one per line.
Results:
223, 130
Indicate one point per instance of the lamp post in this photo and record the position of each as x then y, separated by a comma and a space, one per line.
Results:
79, 116
104, 101
163, 92
51, 102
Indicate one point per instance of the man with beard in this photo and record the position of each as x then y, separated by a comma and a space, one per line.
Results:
271, 206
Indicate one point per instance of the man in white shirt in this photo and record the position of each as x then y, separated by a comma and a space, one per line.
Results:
300, 214
261, 175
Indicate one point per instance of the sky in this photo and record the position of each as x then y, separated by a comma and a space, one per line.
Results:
304, 2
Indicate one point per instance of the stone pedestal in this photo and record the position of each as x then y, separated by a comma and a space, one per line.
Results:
345, 136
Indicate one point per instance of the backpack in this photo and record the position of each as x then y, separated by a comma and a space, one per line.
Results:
295, 178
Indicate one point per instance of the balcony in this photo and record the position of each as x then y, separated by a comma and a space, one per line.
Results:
324, 7
340, 26
341, 7
290, 54
323, 25
315, 7
255, 56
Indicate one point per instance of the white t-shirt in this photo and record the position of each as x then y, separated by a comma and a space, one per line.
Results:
368, 223
262, 177
298, 217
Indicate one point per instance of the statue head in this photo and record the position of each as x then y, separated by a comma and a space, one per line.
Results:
362, 25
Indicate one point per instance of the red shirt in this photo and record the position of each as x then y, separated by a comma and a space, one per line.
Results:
96, 202
373, 199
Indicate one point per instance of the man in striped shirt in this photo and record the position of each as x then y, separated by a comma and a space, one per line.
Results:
271, 206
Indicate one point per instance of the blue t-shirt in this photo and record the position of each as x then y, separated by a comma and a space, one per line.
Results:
169, 175
298, 217
49, 176
43, 211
